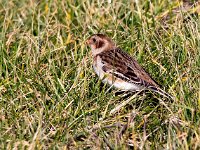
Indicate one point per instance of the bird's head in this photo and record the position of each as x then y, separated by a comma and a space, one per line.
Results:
99, 43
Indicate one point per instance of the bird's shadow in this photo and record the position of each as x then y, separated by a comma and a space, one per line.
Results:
150, 98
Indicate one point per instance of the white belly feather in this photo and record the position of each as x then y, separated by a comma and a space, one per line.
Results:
120, 84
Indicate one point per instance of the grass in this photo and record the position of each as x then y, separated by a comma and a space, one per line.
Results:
50, 97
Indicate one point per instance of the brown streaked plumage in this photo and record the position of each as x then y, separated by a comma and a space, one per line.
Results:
117, 68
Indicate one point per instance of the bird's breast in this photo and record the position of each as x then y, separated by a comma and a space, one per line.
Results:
98, 65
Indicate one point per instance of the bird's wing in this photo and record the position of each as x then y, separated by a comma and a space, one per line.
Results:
121, 65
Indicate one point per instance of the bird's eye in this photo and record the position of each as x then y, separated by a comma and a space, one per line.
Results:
94, 40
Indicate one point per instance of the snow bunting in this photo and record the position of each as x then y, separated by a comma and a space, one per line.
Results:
117, 68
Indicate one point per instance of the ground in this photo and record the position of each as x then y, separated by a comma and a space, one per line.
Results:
50, 97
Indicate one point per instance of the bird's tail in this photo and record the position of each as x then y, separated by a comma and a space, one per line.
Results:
161, 92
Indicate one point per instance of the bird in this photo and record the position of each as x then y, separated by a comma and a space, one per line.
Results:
117, 68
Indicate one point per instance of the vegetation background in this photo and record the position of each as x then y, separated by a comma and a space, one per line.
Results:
50, 98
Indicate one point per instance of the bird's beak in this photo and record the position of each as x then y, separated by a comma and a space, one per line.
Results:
87, 42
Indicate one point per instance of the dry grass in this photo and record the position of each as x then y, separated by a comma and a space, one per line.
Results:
50, 97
